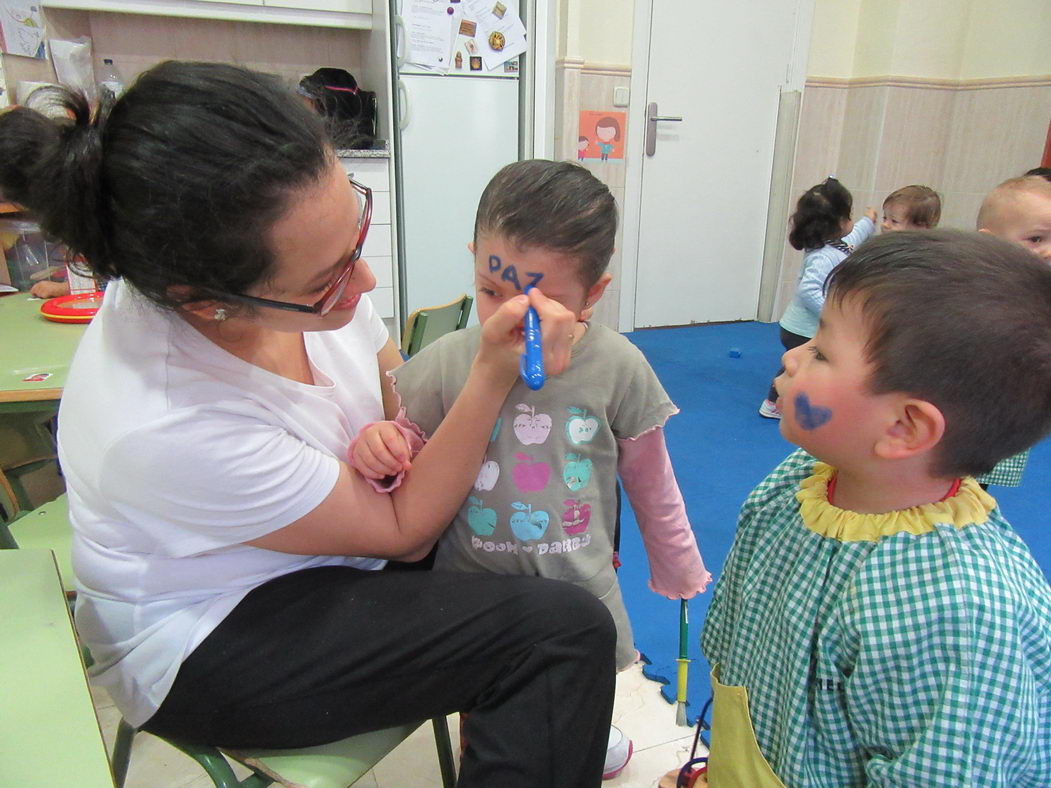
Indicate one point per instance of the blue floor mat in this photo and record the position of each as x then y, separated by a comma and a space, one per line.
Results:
721, 448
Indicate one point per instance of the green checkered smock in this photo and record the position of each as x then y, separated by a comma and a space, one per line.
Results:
910, 649
1008, 472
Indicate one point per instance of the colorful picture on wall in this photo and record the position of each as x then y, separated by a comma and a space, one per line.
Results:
21, 29
602, 135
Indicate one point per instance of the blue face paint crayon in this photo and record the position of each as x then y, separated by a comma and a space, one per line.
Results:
531, 365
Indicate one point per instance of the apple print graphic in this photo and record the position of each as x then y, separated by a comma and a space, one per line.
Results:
530, 476
527, 524
577, 472
530, 426
576, 517
580, 427
487, 475
482, 520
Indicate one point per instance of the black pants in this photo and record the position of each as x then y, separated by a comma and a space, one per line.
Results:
789, 340
326, 653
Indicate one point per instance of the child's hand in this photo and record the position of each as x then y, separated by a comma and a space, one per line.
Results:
49, 289
870, 212
380, 450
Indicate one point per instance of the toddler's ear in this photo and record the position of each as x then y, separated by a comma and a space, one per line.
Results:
919, 427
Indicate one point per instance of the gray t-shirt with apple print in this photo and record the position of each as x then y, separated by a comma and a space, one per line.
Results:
544, 502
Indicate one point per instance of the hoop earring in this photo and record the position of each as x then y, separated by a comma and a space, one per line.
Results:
220, 315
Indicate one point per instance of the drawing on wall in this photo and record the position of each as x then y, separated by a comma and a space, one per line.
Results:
21, 29
601, 135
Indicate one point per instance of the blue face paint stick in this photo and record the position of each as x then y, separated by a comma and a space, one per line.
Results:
531, 365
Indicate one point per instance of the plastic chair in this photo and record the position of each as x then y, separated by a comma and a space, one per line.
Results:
428, 323
27, 443
335, 765
45, 527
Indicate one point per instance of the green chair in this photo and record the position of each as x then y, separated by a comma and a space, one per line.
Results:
27, 443
428, 323
45, 527
335, 765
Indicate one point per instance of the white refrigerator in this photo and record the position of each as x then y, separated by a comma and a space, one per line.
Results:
452, 133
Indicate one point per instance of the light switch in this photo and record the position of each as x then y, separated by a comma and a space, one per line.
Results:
621, 96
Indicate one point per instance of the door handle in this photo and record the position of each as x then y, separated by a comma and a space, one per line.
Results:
652, 118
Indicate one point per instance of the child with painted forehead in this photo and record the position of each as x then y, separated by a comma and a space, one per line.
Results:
878, 622
545, 500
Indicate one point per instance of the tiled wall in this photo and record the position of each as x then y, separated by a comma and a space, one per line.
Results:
961, 138
583, 86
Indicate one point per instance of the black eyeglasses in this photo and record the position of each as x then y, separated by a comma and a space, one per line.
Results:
334, 292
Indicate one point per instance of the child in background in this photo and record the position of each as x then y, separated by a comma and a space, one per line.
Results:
1018, 210
911, 208
822, 228
545, 502
877, 621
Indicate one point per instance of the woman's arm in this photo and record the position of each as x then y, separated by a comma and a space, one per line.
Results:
356, 520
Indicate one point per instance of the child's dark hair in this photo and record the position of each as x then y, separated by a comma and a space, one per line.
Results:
554, 205
175, 186
1040, 172
922, 203
820, 214
963, 321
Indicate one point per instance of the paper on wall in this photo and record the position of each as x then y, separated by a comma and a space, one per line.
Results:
429, 33
22, 28
511, 39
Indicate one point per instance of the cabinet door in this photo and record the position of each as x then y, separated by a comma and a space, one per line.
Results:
237, 2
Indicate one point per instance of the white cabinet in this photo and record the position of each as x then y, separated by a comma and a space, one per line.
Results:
316, 13
374, 172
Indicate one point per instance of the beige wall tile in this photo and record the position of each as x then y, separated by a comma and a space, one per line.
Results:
960, 209
819, 138
862, 131
917, 124
998, 133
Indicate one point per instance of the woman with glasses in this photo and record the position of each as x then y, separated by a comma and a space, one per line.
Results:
225, 555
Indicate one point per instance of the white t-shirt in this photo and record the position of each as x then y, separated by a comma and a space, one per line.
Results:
176, 452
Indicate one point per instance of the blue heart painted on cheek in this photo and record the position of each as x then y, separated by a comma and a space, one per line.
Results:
810, 417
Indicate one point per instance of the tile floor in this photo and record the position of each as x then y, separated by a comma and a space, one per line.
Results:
640, 711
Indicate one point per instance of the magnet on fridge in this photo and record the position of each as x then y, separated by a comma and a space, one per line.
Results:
499, 10
468, 28
476, 62
459, 60
472, 48
496, 41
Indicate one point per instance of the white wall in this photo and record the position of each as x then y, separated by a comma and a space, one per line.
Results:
931, 39
596, 31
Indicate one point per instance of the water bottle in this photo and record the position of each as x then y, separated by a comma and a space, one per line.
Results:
109, 80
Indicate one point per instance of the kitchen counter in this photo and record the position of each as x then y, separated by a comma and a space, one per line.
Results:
381, 151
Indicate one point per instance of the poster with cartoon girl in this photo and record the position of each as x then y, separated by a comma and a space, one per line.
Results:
606, 132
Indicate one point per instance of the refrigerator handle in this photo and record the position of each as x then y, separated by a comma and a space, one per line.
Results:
403, 105
399, 42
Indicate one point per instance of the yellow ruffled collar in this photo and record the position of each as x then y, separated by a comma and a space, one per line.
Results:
970, 505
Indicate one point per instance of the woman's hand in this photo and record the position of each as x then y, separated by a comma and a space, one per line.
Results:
502, 335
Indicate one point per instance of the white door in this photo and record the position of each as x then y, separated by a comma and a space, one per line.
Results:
701, 198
